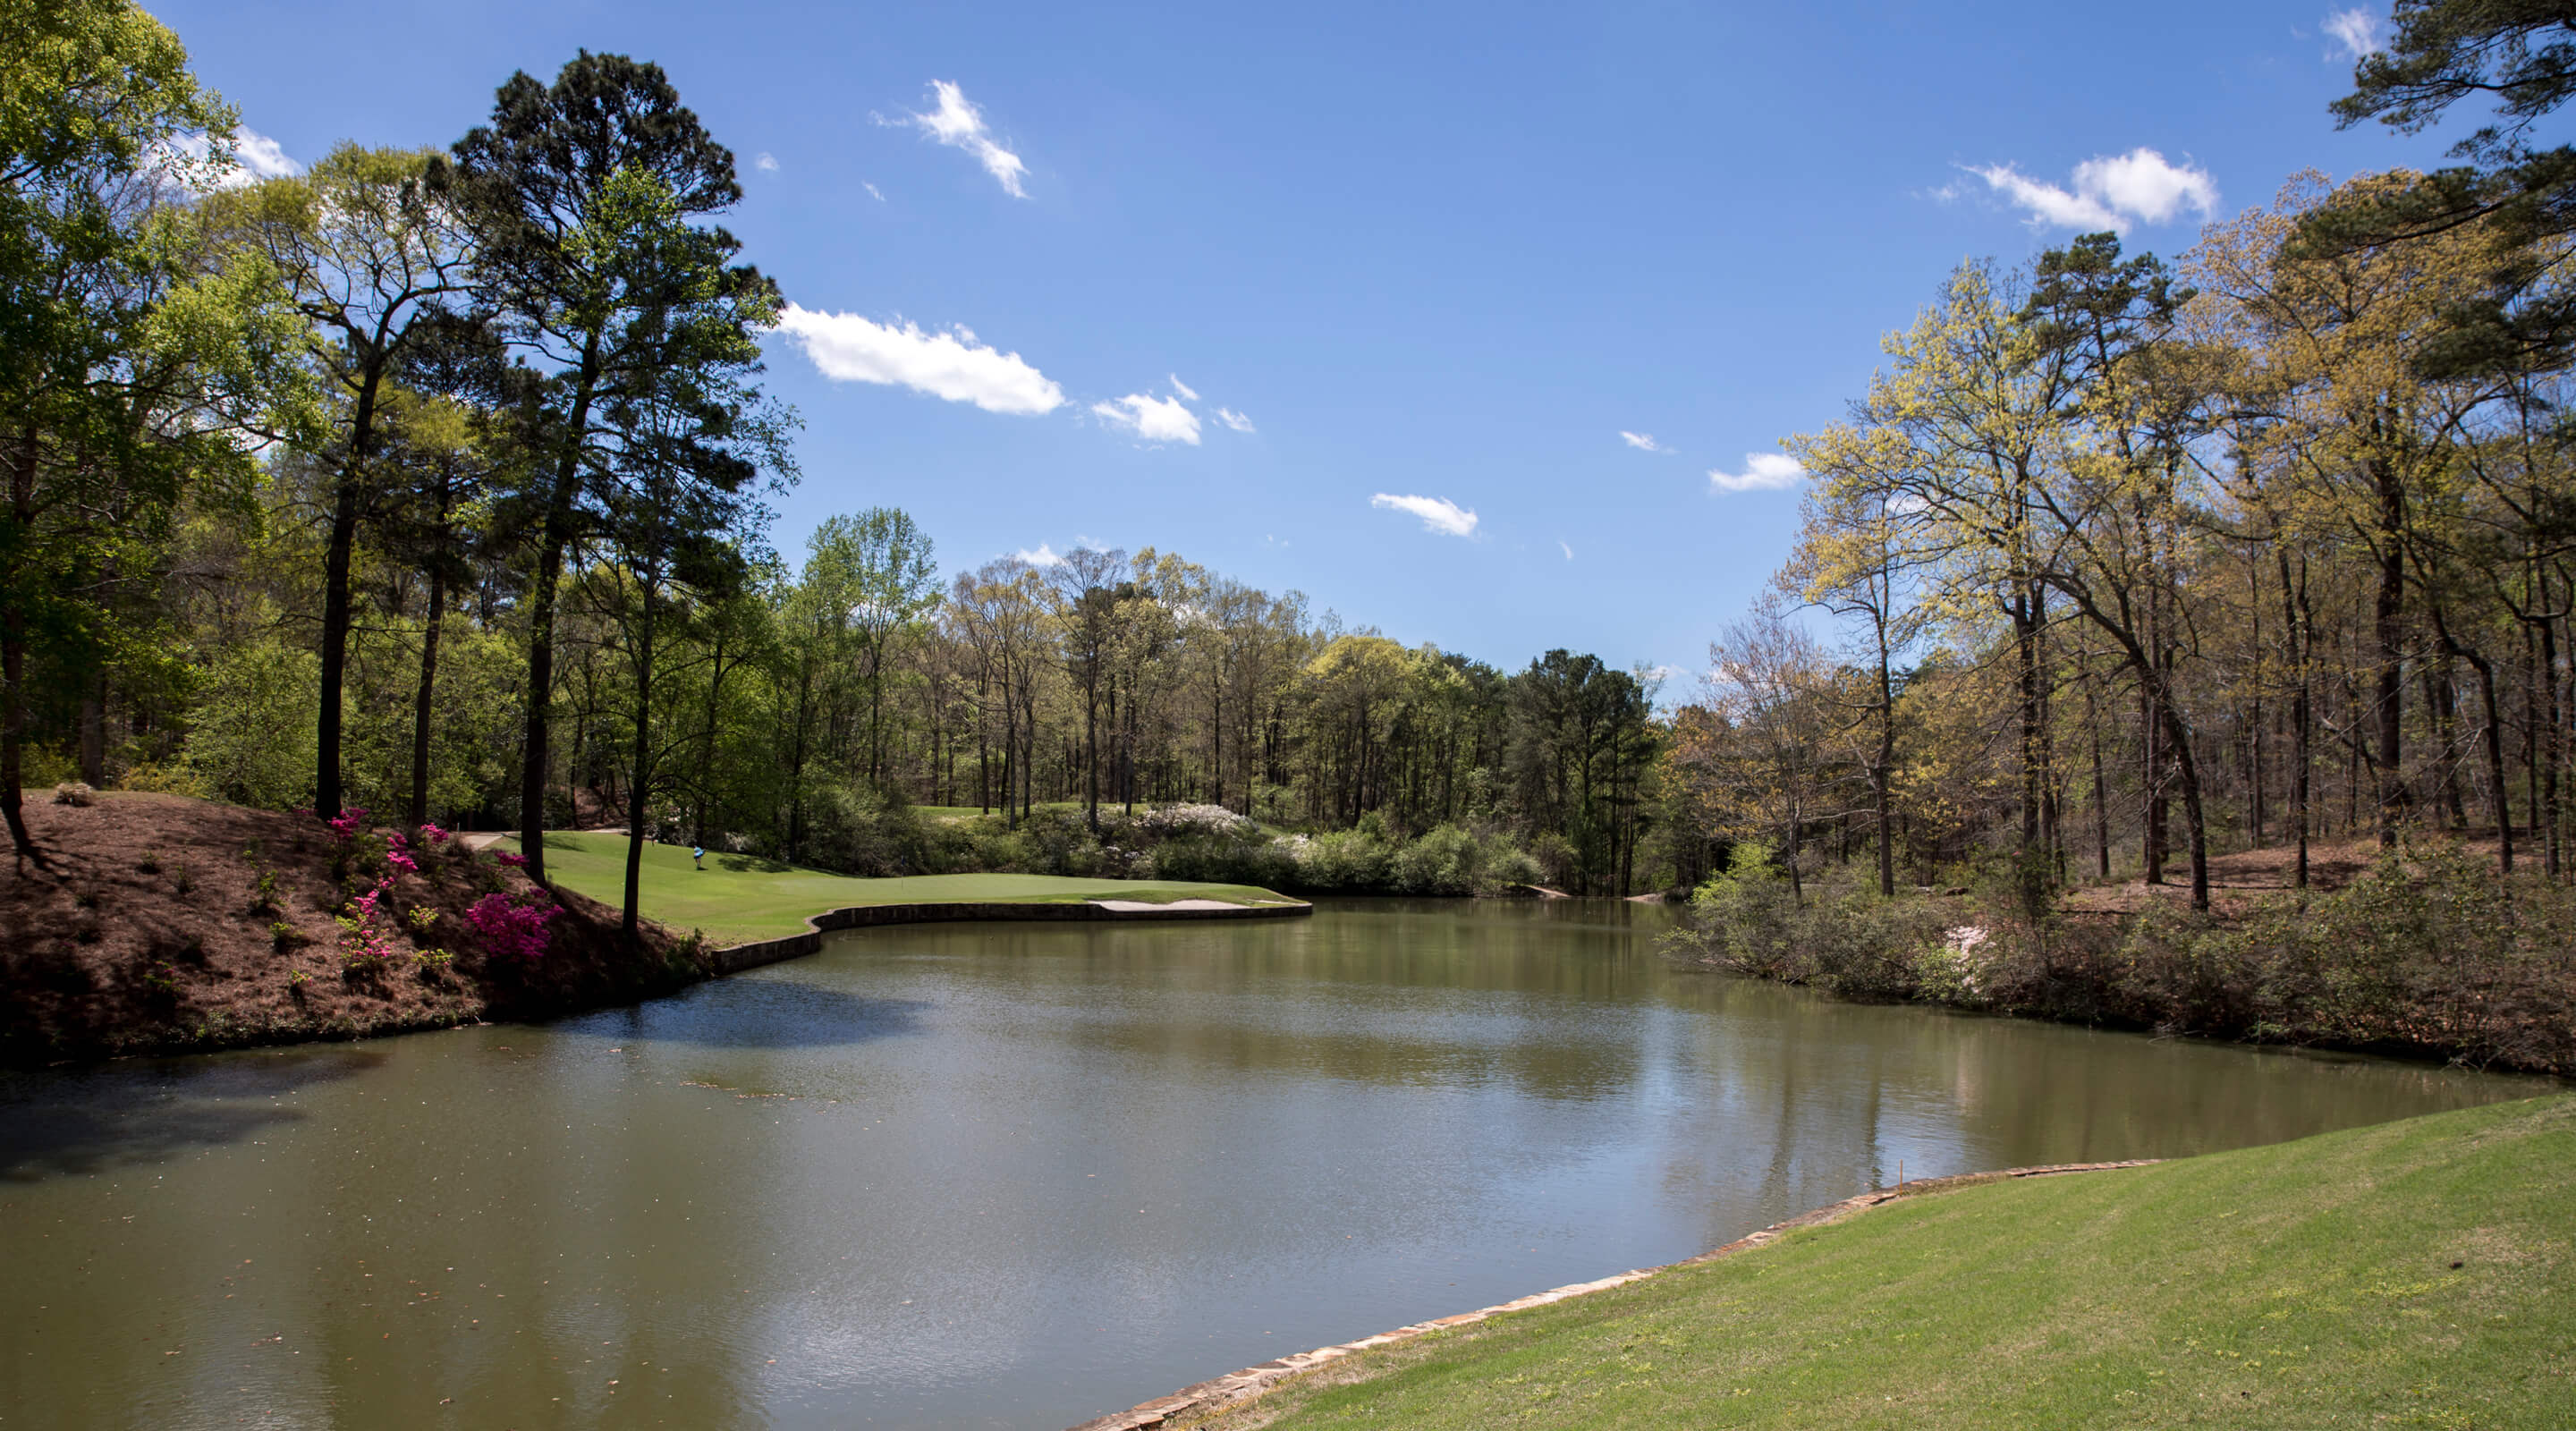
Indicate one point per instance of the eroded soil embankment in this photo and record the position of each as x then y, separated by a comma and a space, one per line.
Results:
160, 924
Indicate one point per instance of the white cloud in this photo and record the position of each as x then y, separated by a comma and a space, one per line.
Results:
2111, 191
1763, 472
255, 157
1182, 388
951, 364
958, 124
1561, 546
1234, 419
1044, 556
766, 163
262, 156
872, 191
1153, 419
2142, 183
1642, 441
2357, 31
1438, 514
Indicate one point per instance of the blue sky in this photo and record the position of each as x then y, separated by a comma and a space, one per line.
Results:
1443, 254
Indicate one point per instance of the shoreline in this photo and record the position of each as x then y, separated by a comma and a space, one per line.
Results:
661, 980
758, 953
1252, 1381
162, 925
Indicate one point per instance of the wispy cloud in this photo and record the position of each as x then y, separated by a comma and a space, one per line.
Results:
1153, 419
1563, 547
1234, 419
255, 157
1181, 387
2110, 191
767, 163
1044, 555
2356, 32
950, 364
1642, 441
1763, 472
872, 191
1438, 514
957, 123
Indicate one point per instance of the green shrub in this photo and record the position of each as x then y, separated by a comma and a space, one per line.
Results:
253, 692
852, 829
1741, 918
1342, 862
1221, 860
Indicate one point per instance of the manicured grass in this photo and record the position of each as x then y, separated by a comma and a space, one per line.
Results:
738, 898
2420, 1273
948, 813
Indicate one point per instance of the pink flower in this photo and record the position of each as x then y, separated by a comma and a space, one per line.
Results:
513, 929
514, 861
398, 855
431, 834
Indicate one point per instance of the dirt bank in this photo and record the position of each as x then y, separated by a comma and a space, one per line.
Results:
161, 924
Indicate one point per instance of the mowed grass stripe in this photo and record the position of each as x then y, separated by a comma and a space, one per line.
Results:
737, 898
2307, 1284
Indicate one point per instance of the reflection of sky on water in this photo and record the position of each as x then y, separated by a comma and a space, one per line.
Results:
1009, 1175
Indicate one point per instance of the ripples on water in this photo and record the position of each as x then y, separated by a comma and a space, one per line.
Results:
1009, 1175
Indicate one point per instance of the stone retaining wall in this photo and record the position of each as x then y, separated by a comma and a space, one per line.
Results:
736, 958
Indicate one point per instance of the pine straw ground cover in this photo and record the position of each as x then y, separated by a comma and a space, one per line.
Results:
163, 924
736, 898
2414, 1274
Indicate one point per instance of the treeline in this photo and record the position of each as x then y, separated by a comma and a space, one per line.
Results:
433, 482
2130, 564
2134, 563
2121, 565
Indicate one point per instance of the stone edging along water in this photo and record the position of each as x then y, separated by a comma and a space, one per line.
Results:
1254, 1380
733, 959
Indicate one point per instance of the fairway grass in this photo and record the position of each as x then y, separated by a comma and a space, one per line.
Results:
2415, 1274
738, 898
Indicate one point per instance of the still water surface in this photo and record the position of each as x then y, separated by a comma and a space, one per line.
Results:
1008, 1175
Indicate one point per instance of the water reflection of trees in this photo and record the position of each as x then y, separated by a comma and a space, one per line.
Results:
87, 1121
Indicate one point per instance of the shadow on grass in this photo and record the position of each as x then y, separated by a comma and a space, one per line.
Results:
67, 1124
752, 864
760, 1013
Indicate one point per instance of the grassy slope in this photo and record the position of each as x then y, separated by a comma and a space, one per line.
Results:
2302, 1285
735, 899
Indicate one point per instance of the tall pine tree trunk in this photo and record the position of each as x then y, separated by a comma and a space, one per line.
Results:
422, 702
639, 783
560, 505
13, 642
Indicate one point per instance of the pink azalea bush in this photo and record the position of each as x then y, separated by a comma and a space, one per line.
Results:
513, 929
364, 940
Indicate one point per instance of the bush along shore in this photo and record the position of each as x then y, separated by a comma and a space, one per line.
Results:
883, 837
2424, 951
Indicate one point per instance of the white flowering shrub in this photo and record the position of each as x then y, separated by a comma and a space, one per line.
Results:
1168, 821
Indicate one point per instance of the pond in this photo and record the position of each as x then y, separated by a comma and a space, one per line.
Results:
1010, 1175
